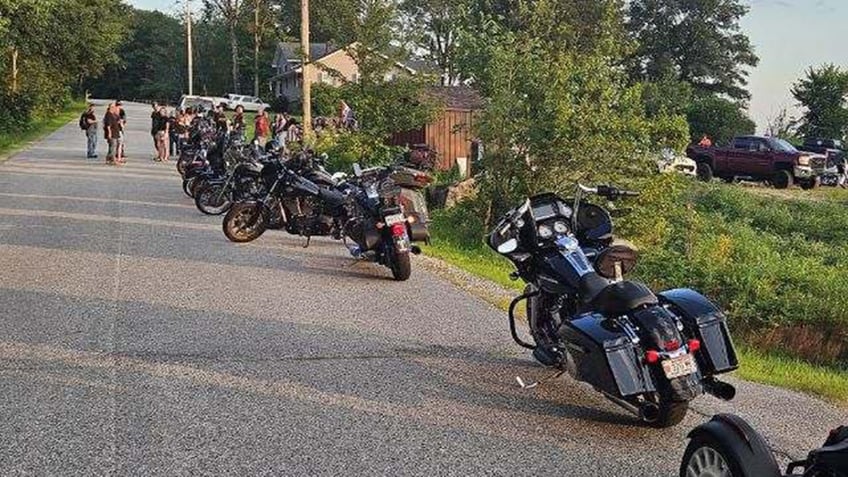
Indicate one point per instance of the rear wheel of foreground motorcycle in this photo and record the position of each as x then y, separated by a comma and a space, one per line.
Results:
212, 200
401, 266
244, 223
670, 413
707, 456
704, 172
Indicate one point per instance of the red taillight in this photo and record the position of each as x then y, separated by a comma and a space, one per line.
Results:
671, 345
398, 230
652, 356
694, 345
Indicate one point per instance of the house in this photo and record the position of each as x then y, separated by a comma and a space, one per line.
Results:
451, 134
332, 66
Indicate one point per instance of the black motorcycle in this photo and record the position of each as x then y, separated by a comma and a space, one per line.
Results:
727, 446
651, 354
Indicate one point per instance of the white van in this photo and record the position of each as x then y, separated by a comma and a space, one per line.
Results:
249, 103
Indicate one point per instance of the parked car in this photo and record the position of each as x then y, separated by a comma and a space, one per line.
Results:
670, 161
205, 102
249, 103
759, 158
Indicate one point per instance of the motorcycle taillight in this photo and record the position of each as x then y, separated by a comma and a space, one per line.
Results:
398, 230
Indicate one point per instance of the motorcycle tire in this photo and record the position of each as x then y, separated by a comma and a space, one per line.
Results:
244, 222
671, 413
544, 336
401, 266
727, 445
212, 199
196, 185
187, 186
181, 166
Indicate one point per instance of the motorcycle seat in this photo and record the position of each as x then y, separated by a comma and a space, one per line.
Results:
616, 299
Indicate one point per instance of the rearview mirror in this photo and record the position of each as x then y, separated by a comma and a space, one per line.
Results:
509, 246
357, 170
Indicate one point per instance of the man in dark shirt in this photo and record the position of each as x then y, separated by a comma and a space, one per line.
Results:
89, 120
111, 131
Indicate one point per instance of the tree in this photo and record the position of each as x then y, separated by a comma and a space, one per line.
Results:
697, 41
784, 126
263, 20
823, 93
718, 118
434, 26
230, 12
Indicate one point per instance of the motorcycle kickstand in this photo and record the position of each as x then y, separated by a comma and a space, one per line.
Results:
308, 239
534, 384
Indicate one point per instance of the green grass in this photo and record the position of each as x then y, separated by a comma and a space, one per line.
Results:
792, 373
11, 142
777, 265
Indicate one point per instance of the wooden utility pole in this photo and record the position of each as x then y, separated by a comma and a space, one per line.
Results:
305, 67
14, 69
256, 40
189, 53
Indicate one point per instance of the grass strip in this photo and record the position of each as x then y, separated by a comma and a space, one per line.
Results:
12, 142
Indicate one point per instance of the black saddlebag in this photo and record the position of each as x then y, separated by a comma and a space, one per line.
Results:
418, 231
605, 357
703, 320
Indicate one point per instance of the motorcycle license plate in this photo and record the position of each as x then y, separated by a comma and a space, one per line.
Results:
682, 366
395, 219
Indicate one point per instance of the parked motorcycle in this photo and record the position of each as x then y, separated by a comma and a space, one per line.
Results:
649, 353
727, 446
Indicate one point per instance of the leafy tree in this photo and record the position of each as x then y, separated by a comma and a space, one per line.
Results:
260, 26
230, 12
434, 26
141, 73
784, 126
696, 41
823, 93
718, 118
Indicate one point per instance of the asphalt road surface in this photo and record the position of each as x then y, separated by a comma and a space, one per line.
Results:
135, 339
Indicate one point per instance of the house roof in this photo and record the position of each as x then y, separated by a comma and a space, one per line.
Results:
457, 97
426, 67
290, 51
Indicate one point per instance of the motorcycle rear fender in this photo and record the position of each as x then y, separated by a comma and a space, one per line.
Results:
704, 320
605, 357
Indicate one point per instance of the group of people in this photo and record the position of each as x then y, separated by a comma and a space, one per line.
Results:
169, 130
284, 129
114, 128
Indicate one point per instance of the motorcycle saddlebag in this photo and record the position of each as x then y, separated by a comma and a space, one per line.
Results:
703, 320
605, 357
418, 231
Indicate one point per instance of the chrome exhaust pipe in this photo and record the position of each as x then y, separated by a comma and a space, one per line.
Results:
646, 411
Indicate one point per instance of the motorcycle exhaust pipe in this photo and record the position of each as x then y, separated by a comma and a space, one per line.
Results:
647, 411
721, 390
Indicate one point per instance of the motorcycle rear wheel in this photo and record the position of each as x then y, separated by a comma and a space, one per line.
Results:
212, 199
244, 223
671, 413
401, 266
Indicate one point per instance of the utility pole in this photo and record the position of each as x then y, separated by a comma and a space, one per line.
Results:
256, 48
189, 53
305, 68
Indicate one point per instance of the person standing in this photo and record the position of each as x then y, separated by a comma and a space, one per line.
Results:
111, 131
238, 121
122, 117
154, 115
262, 128
88, 123
279, 129
160, 126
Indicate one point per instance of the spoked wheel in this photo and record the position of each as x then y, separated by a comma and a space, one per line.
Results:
195, 186
244, 223
212, 199
707, 462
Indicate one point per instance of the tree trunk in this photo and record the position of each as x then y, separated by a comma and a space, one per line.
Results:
234, 48
256, 65
14, 70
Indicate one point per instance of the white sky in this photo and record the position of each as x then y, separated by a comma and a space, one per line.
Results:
789, 37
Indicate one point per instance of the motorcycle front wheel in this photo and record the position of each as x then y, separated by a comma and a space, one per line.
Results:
244, 222
212, 199
719, 449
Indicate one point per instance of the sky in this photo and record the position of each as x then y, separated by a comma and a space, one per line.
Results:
789, 36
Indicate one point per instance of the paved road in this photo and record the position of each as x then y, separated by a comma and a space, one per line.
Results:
134, 339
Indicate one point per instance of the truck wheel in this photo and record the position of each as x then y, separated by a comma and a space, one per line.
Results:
704, 172
782, 180
810, 184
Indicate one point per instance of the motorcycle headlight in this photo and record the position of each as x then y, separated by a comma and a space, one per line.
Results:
560, 227
545, 232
